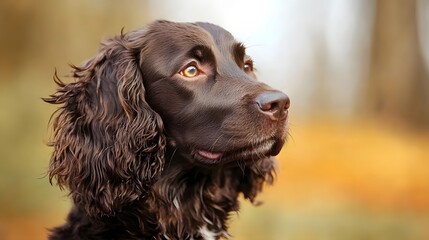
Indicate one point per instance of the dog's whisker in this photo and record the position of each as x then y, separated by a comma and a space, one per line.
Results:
217, 139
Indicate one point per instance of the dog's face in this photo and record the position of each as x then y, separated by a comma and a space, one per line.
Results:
199, 79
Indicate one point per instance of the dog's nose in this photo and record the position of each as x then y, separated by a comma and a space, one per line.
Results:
273, 104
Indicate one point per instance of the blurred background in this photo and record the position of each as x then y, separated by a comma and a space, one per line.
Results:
356, 165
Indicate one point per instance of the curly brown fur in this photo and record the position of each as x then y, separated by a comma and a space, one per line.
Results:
148, 152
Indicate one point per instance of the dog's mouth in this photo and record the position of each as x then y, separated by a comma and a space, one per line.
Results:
265, 148
214, 156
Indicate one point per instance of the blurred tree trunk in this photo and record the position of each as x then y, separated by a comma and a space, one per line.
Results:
398, 82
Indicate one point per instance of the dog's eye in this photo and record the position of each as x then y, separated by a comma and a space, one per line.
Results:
190, 71
248, 66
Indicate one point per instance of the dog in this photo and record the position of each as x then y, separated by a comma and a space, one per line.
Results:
160, 133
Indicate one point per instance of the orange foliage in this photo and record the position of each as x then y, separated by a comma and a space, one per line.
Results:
365, 163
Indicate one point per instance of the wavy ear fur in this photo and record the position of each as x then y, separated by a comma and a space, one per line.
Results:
108, 143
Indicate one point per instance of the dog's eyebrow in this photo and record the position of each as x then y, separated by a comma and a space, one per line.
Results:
202, 53
238, 51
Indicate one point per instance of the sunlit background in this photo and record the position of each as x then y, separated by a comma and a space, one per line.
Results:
356, 165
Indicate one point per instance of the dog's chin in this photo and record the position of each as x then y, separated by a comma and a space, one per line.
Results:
251, 152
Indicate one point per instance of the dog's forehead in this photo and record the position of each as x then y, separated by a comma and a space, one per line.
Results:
190, 34
169, 45
219, 34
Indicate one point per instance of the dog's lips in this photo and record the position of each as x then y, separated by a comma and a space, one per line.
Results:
210, 155
268, 147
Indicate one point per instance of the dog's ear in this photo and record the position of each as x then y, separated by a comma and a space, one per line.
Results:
108, 143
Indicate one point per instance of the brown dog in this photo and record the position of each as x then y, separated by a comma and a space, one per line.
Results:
160, 133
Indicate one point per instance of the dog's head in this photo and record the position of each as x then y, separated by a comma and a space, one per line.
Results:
201, 82
189, 87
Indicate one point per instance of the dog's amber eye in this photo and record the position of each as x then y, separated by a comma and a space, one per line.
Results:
248, 66
190, 71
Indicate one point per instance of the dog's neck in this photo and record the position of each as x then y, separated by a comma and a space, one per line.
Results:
182, 212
